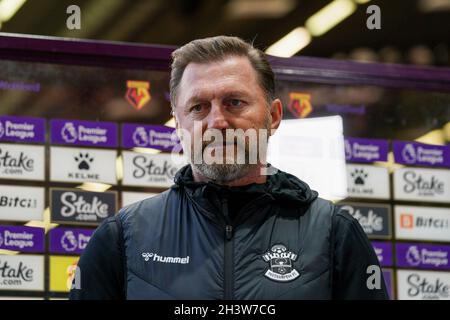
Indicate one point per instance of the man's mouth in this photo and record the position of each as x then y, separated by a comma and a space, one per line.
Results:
220, 145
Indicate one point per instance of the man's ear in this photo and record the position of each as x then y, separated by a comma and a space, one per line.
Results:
172, 113
276, 111
177, 125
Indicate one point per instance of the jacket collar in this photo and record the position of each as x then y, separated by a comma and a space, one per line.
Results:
281, 187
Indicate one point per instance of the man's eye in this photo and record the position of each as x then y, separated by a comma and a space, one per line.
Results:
235, 102
197, 108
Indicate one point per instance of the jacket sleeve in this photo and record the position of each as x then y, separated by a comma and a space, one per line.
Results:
100, 267
353, 255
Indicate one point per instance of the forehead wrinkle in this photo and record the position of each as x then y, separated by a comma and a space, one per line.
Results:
214, 75
215, 90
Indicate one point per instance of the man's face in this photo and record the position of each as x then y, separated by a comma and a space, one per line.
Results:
217, 97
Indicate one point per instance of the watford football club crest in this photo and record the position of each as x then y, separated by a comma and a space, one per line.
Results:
300, 104
138, 94
280, 260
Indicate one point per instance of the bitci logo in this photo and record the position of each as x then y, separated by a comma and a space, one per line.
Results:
406, 220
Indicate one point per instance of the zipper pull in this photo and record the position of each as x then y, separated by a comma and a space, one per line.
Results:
229, 232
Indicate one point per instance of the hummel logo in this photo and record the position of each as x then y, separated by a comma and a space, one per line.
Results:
147, 256
158, 258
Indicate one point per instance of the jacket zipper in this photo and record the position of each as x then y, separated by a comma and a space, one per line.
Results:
228, 254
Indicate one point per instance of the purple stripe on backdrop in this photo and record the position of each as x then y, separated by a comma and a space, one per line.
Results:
22, 238
423, 256
306, 69
366, 150
84, 133
69, 240
22, 129
414, 153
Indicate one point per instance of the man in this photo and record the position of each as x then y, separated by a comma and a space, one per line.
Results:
228, 229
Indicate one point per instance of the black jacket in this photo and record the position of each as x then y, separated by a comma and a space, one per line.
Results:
276, 240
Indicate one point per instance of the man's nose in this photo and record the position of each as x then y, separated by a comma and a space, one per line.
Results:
217, 117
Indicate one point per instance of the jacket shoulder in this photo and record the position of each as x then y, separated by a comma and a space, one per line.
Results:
323, 208
147, 205
326, 209
146, 212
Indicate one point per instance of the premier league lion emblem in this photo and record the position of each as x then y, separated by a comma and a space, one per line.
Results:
348, 150
2, 131
280, 260
69, 132
140, 137
409, 153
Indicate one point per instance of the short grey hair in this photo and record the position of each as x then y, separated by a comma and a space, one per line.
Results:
215, 49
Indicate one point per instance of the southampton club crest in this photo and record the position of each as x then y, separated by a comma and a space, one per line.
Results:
280, 260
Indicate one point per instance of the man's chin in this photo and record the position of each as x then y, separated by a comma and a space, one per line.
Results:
222, 173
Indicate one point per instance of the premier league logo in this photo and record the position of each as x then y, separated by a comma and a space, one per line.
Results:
409, 153
2, 130
69, 241
280, 260
69, 132
348, 150
140, 137
413, 256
